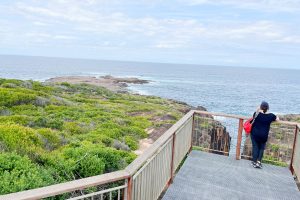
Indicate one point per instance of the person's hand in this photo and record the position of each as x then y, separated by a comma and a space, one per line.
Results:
259, 110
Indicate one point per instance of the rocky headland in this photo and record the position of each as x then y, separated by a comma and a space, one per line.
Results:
109, 82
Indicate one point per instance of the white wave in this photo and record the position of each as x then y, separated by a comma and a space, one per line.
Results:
220, 118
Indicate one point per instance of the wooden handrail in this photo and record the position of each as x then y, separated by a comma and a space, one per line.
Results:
62, 188
241, 117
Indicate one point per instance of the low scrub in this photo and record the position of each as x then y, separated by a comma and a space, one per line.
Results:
52, 133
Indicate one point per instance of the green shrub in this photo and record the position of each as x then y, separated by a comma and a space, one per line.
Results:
47, 122
18, 173
11, 97
16, 119
15, 82
50, 138
131, 142
73, 128
18, 138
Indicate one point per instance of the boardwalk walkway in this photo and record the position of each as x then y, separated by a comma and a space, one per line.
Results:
215, 177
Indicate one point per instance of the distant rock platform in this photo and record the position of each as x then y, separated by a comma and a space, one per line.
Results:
112, 83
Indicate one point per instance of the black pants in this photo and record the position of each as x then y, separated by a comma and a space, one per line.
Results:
257, 149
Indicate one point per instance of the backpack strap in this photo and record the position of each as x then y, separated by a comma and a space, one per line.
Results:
256, 114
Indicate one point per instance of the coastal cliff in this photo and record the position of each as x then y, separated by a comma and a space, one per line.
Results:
210, 135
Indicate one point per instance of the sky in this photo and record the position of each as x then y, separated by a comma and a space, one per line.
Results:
253, 33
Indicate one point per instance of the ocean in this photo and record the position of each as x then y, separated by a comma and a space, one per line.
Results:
232, 90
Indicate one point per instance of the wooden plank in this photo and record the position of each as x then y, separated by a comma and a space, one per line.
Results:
62, 188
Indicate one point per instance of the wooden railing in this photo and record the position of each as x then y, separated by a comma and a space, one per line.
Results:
295, 161
149, 174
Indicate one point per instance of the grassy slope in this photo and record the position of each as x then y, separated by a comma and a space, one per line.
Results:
60, 132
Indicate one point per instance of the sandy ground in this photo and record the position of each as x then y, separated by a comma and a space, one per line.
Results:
143, 145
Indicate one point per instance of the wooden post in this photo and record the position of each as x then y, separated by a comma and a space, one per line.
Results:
193, 129
172, 158
239, 139
129, 189
293, 152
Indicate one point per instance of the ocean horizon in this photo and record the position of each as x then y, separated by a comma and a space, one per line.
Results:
234, 90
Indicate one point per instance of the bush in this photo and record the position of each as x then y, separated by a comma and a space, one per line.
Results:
18, 173
4, 111
120, 145
131, 142
20, 139
14, 82
16, 119
8, 85
11, 97
80, 160
50, 138
41, 101
46, 122
113, 159
73, 128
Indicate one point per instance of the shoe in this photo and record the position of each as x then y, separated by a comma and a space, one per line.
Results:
258, 165
253, 163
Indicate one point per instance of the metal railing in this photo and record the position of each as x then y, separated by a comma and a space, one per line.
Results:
150, 174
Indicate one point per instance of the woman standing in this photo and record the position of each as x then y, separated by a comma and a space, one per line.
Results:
260, 132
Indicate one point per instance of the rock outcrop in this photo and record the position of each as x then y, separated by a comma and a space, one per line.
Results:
210, 135
109, 82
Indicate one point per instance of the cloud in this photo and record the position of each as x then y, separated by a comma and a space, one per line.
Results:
263, 5
157, 26
85, 19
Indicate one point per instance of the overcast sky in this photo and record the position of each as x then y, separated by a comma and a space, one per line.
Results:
260, 33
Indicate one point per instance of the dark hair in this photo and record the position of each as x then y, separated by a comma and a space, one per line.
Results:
264, 106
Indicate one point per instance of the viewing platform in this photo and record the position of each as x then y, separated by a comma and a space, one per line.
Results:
208, 176
218, 167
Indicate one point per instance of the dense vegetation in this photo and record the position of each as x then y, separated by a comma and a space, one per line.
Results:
52, 133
